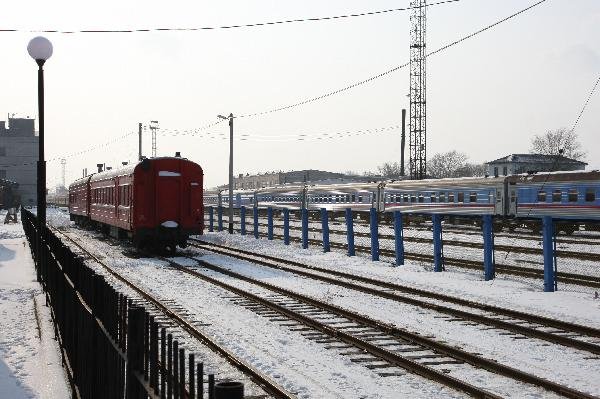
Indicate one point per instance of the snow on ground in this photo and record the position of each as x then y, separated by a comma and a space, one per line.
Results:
305, 367
30, 362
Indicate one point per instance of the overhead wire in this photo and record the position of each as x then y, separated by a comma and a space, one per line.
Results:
585, 104
248, 25
389, 71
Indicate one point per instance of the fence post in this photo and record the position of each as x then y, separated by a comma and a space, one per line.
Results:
255, 226
489, 266
304, 228
325, 230
243, 220
399, 238
135, 356
220, 218
374, 235
270, 223
438, 248
286, 226
211, 216
548, 232
350, 232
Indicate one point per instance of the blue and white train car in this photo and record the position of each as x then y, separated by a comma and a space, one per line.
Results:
562, 195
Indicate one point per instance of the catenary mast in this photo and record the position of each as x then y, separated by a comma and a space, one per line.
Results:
418, 113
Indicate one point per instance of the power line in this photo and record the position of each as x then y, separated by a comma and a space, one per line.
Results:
250, 25
586, 104
395, 69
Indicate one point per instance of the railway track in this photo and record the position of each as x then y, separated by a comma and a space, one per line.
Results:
551, 330
528, 272
167, 310
378, 345
587, 256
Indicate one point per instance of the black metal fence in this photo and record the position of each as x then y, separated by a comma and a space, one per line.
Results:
112, 347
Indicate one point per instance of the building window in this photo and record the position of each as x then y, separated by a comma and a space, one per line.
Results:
495, 171
505, 170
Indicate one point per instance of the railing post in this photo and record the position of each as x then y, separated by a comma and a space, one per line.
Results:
489, 267
374, 235
243, 220
304, 228
270, 223
399, 238
135, 356
325, 230
220, 218
548, 232
211, 217
438, 248
350, 232
255, 226
286, 226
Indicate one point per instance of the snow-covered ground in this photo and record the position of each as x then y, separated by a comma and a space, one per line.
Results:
30, 362
306, 367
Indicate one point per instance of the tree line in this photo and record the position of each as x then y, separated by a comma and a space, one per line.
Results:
453, 163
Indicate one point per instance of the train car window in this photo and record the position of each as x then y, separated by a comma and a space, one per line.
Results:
541, 197
556, 196
413, 198
405, 196
421, 198
433, 197
572, 195
451, 197
442, 197
473, 197
461, 196
590, 195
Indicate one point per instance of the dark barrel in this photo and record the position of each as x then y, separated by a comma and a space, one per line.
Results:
229, 390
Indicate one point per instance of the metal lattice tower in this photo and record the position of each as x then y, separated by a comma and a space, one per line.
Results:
418, 110
153, 126
63, 163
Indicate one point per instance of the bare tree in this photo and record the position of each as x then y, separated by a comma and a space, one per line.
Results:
390, 170
553, 141
446, 164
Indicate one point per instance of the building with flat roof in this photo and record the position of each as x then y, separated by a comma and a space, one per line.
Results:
19, 155
515, 164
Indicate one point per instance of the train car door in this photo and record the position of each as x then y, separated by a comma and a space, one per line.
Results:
168, 197
512, 199
499, 207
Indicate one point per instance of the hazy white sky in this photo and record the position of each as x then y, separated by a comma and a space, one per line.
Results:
487, 96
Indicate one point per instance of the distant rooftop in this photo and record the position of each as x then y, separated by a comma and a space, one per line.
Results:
18, 127
536, 158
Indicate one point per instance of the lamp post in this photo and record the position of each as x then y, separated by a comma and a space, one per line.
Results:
230, 170
40, 49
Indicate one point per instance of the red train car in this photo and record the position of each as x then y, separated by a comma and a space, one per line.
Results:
157, 203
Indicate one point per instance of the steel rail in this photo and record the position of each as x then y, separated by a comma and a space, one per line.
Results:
566, 278
482, 319
389, 356
263, 381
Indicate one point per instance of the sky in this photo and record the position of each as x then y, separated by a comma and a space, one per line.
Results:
486, 97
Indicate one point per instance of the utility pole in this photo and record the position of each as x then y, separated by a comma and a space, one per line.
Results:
63, 163
153, 126
418, 112
230, 170
139, 142
403, 142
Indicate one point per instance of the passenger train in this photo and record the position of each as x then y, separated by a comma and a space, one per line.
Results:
157, 203
520, 200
